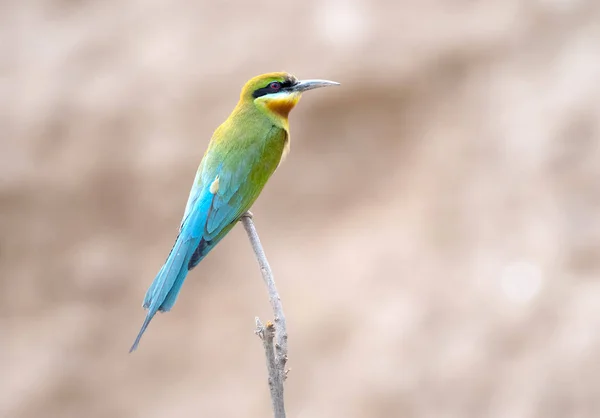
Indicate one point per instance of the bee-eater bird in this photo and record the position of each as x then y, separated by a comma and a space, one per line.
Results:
241, 156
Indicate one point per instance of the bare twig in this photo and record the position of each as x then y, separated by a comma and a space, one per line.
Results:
276, 356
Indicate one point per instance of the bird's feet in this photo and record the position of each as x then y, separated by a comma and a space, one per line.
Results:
247, 214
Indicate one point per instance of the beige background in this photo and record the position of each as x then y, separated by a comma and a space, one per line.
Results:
434, 232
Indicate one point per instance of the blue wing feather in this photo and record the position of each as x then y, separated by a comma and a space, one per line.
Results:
196, 190
166, 285
231, 200
200, 208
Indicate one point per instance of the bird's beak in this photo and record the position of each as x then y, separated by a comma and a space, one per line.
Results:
304, 85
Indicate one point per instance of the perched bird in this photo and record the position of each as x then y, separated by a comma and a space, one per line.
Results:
241, 156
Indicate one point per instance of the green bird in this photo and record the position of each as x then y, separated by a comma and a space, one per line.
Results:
242, 155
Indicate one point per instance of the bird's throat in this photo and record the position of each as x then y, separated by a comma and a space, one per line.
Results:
282, 106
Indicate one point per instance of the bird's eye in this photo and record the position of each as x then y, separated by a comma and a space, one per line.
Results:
275, 86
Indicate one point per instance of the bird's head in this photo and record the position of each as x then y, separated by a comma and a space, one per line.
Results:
278, 93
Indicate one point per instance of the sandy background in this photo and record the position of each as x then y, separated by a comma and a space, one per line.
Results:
434, 232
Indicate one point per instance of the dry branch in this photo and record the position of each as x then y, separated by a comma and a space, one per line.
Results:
273, 335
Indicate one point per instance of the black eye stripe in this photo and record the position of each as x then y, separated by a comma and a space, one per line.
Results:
286, 84
268, 89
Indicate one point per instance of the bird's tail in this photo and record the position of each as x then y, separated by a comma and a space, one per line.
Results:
166, 285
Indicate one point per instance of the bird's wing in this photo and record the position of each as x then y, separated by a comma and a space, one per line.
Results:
242, 171
238, 187
242, 175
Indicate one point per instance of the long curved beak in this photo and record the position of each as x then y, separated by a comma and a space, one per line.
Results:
304, 85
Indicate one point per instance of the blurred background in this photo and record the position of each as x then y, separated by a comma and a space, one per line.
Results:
434, 232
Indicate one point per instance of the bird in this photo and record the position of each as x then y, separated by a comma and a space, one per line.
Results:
243, 153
